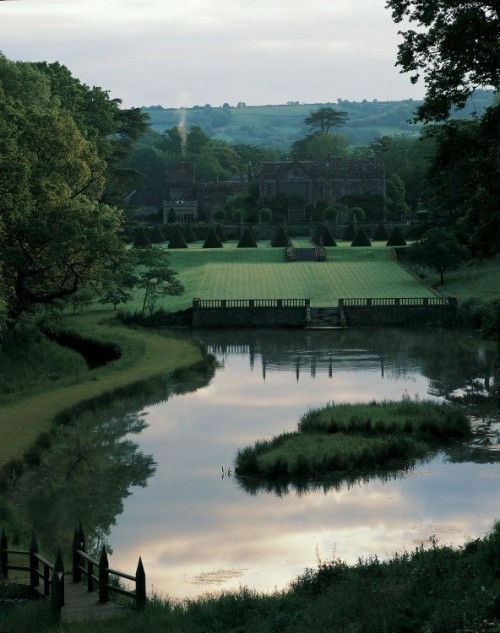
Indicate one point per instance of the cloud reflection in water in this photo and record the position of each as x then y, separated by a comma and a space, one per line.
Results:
191, 524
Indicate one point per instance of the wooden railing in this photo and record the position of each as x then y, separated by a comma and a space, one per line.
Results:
418, 302
39, 569
97, 573
250, 303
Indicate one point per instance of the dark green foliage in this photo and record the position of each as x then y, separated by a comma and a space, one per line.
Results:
177, 240
396, 238
141, 239
323, 237
220, 232
189, 234
439, 250
349, 233
247, 239
155, 235
280, 238
455, 47
361, 238
380, 233
213, 240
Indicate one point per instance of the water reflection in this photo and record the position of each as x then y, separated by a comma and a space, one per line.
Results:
94, 461
197, 531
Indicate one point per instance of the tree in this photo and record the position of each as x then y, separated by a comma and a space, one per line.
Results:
456, 48
59, 237
156, 277
465, 180
439, 250
265, 215
323, 119
396, 192
356, 214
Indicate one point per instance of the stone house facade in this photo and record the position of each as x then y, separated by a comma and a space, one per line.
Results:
194, 200
328, 181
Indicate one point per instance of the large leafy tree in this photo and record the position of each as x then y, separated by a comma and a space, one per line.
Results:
465, 176
59, 236
440, 251
455, 47
323, 119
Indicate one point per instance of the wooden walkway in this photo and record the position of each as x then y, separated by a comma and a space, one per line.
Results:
80, 604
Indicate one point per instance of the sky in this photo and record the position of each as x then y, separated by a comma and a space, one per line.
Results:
178, 53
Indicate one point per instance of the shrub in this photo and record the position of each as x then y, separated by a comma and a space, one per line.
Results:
361, 238
396, 238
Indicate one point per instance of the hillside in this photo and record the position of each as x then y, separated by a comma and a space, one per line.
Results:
278, 126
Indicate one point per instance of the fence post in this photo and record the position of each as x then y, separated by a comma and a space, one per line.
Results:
103, 576
78, 544
4, 556
140, 586
34, 579
59, 568
55, 595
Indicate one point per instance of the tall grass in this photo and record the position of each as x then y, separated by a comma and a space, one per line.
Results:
354, 437
432, 589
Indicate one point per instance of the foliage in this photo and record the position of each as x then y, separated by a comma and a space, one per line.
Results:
265, 215
456, 47
323, 119
156, 277
465, 180
213, 240
177, 240
396, 238
361, 238
247, 239
354, 437
349, 233
59, 140
439, 250
356, 214
380, 233
280, 238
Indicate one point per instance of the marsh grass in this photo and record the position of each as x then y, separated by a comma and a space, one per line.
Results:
357, 437
435, 589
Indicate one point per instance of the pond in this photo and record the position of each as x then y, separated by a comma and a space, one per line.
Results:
200, 530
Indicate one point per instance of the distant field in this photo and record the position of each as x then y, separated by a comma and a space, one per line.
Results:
263, 273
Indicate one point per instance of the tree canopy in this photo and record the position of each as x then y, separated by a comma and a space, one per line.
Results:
455, 47
323, 119
59, 141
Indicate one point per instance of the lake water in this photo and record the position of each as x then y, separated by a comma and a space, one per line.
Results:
197, 530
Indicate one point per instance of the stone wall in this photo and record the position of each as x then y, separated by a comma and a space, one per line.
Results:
422, 316
249, 317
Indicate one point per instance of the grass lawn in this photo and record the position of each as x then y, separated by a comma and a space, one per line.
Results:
477, 279
263, 273
144, 354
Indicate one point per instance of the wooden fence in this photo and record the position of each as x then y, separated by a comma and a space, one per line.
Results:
97, 574
46, 579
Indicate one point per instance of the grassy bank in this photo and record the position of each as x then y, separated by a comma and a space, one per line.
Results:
432, 589
24, 415
357, 437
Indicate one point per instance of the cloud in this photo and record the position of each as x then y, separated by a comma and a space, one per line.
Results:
212, 51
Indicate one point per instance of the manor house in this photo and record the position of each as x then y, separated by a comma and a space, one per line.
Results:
304, 182
194, 200
330, 181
